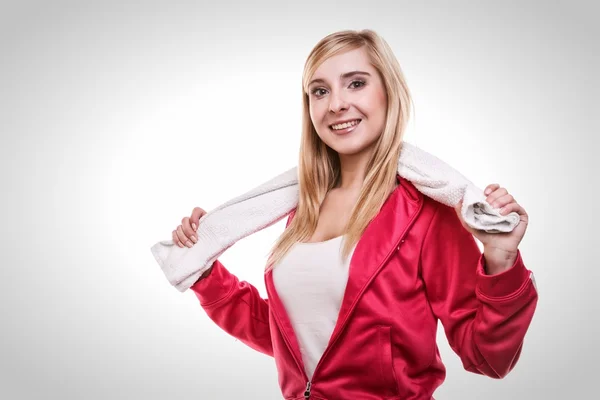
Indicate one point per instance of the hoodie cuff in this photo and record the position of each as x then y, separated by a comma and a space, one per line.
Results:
215, 287
504, 284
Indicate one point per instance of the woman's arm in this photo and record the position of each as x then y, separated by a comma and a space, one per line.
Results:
485, 317
235, 306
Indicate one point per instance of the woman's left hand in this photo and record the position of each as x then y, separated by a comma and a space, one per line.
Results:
500, 247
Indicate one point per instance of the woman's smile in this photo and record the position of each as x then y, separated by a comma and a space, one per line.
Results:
344, 128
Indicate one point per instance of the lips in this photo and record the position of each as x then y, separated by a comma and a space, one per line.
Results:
345, 128
341, 125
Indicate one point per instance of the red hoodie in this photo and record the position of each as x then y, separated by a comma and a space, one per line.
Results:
414, 264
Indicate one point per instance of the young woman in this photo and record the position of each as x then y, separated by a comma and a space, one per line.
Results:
367, 264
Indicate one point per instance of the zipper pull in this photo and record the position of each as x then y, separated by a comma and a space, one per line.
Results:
307, 391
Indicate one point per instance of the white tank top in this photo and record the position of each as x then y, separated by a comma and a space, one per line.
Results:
311, 281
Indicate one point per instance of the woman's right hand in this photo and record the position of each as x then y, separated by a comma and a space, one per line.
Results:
185, 234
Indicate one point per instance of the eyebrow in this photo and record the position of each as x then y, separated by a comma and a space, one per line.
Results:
342, 76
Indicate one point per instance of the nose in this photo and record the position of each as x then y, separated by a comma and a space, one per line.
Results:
337, 103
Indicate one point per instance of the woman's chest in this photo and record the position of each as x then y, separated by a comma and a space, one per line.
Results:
334, 214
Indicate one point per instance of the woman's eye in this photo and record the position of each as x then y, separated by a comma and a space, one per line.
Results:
322, 92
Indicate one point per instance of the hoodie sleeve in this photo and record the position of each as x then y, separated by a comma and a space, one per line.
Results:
485, 317
235, 306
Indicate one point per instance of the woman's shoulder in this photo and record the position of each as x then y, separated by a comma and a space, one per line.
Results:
430, 210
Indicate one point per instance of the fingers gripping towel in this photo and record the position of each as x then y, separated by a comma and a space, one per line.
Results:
269, 202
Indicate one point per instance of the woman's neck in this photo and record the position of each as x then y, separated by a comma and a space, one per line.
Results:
353, 169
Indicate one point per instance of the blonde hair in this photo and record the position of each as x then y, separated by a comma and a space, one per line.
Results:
319, 166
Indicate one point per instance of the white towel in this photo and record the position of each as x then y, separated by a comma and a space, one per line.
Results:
268, 203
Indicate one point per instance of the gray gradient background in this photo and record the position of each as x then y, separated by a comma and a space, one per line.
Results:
118, 118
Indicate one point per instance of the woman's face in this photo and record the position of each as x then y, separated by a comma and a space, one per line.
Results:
348, 102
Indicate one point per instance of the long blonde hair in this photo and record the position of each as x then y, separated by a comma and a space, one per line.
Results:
319, 165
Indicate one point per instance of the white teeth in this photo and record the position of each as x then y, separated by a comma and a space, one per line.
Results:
345, 125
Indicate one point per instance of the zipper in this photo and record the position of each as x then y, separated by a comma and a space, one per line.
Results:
299, 364
307, 391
